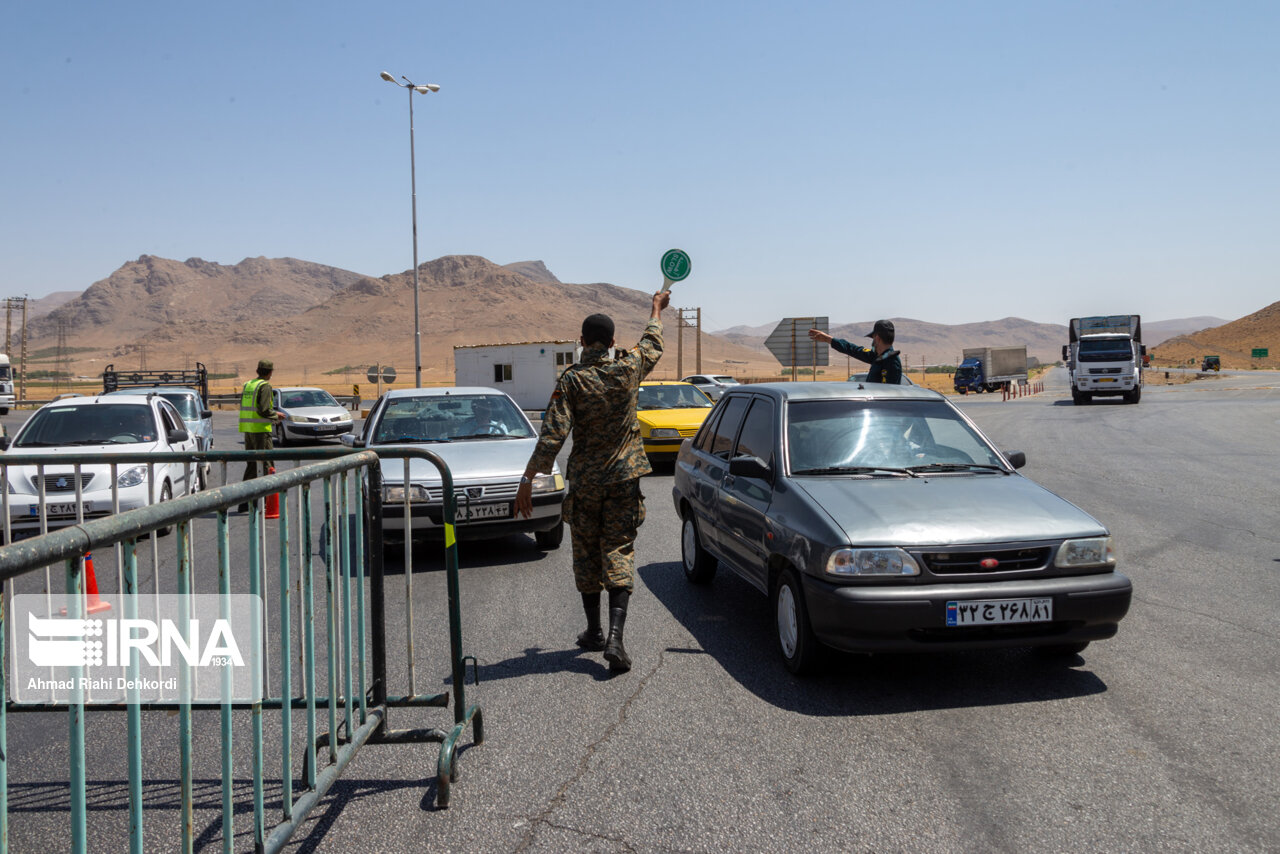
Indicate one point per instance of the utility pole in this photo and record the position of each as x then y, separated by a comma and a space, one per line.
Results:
691, 317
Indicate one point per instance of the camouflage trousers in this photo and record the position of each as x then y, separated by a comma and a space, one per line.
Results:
256, 442
602, 523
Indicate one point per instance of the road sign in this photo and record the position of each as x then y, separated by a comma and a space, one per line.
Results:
675, 266
388, 374
791, 345
372, 373
381, 373
1260, 352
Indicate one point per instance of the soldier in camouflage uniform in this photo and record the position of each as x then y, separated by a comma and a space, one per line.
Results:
595, 399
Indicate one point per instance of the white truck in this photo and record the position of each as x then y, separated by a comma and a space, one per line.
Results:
7, 398
1104, 357
527, 371
991, 368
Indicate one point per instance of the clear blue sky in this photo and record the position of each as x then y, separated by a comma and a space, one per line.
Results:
947, 161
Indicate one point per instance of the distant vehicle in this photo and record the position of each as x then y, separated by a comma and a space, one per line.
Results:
310, 414
669, 412
7, 397
862, 378
486, 441
880, 519
1211, 363
712, 385
195, 415
991, 369
1104, 357
105, 424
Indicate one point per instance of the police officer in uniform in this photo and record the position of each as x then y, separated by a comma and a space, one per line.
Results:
595, 400
886, 366
257, 414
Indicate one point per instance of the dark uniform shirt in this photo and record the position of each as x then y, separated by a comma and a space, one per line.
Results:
885, 368
595, 399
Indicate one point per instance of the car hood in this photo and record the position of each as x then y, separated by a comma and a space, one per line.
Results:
330, 412
948, 510
672, 417
471, 460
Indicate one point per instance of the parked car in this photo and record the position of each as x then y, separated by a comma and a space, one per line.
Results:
104, 424
485, 440
879, 518
713, 386
195, 414
669, 412
310, 414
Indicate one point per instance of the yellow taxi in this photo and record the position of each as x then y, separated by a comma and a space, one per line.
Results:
669, 412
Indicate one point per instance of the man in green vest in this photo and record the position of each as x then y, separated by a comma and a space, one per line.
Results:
257, 414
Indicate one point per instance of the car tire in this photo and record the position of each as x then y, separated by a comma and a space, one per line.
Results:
1061, 650
550, 539
699, 565
278, 438
800, 650
202, 476
166, 494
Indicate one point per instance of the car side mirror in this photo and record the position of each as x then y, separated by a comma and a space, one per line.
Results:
206, 413
5, 442
176, 435
1017, 459
351, 440
1066, 354
748, 466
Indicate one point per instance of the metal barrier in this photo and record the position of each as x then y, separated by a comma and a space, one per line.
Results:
351, 628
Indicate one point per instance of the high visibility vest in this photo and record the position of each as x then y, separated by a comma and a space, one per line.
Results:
250, 421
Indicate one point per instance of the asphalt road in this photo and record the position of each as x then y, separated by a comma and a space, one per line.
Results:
1164, 738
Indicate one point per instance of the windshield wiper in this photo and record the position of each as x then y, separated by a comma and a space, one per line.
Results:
413, 439
488, 436
857, 470
960, 467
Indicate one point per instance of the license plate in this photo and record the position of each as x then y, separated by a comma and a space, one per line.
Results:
1107, 380
61, 509
327, 429
467, 512
995, 612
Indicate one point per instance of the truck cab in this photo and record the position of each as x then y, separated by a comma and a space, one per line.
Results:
1211, 363
1105, 357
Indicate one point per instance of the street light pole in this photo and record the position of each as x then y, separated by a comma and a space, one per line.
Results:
413, 195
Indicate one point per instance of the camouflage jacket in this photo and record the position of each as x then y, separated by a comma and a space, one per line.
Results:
595, 399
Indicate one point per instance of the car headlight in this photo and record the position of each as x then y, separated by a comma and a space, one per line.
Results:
1095, 551
664, 433
868, 562
395, 494
132, 476
548, 483
300, 419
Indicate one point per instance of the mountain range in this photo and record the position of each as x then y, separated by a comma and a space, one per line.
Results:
314, 320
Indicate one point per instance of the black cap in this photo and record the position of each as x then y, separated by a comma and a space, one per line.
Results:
597, 329
883, 328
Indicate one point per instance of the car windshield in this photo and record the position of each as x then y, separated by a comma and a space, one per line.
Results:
185, 404
682, 396
453, 418
1105, 350
827, 435
101, 424
306, 397
725, 380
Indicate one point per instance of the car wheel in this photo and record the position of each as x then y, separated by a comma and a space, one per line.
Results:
699, 565
278, 438
800, 649
166, 493
548, 540
202, 476
1061, 650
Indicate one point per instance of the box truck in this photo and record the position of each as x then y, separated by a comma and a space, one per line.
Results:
1104, 357
7, 397
991, 368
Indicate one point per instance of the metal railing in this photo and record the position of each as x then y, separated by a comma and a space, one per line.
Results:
346, 637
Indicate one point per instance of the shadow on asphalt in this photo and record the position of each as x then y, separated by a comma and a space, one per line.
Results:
428, 555
733, 624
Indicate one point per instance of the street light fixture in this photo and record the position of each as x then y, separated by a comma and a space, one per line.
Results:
421, 89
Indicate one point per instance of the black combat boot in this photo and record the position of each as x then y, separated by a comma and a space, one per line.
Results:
593, 637
614, 652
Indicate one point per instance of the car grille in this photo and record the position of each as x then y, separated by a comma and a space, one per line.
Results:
491, 492
688, 431
1097, 371
64, 482
970, 561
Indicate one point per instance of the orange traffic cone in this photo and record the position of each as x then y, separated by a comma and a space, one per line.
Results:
273, 501
96, 602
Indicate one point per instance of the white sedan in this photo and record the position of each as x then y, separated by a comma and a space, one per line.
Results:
310, 414
44, 495
712, 385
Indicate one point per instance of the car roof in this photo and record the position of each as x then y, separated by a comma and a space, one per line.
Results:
837, 391
137, 392
442, 392
296, 388
665, 382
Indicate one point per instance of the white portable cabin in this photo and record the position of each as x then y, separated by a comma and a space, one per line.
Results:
527, 371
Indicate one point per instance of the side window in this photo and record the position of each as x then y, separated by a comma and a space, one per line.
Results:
167, 419
501, 373
756, 439
727, 426
702, 441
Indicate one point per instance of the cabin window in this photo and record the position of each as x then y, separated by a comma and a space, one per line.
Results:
501, 373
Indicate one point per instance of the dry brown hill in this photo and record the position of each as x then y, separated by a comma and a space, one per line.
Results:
1233, 342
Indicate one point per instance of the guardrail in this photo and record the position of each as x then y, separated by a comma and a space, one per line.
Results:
349, 631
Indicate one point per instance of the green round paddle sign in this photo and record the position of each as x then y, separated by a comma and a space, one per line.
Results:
675, 265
